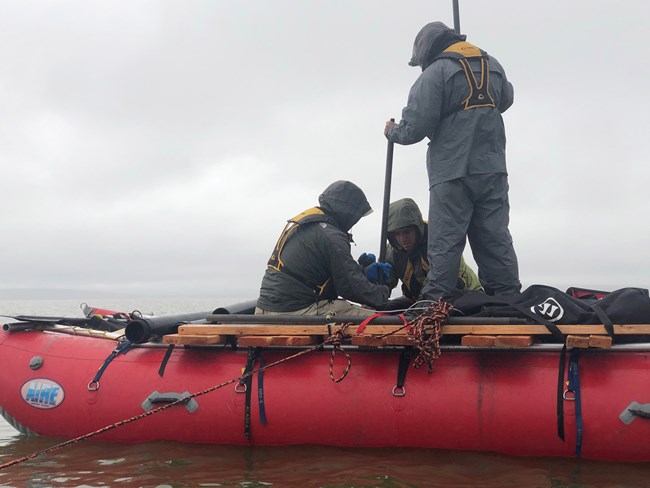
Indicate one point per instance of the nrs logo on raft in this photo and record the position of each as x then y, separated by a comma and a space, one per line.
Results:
42, 393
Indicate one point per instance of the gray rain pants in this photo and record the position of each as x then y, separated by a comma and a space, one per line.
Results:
474, 207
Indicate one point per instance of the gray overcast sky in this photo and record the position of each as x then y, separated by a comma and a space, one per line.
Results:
156, 148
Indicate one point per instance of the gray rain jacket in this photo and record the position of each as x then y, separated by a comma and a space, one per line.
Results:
320, 251
462, 141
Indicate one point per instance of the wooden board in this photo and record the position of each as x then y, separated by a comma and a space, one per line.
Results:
584, 342
399, 340
513, 341
265, 341
379, 341
478, 340
603, 342
368, 340
497, 341
577, 341
193, 340
517, 330
256, 329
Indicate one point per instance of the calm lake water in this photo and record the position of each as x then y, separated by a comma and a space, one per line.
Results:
165, 464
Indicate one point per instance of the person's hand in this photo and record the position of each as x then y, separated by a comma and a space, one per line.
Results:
388, 125
375, 270
366, 259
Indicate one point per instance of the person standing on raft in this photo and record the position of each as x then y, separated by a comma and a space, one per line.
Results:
457, 103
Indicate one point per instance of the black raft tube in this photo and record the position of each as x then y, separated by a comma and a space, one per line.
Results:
143, 329
342, 319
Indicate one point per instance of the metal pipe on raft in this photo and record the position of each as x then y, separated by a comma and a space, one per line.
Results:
19, 326
142, 329
380, 320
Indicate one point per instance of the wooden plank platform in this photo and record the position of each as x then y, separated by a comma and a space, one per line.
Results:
478, 340
398, 340
603, 342
516, 330
507, 335
585, 342
368, 340
513, 341
194, 340
497, 341
284, 340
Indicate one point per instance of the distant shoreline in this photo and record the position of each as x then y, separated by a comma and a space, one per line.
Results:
86, 295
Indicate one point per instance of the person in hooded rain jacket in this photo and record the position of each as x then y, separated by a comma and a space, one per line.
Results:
457, 103
312, 266
407, 251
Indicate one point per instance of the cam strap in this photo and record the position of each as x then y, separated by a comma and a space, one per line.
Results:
402, 369
247, 382
122, 348
571, 393
260, 391
607, 322
574, 386
560, 393
253, 355
165, 359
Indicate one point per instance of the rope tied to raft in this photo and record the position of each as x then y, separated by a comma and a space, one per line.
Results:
425, 331
336, 340
332, 339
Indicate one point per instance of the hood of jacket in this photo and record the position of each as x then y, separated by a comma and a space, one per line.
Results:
345, 202
432, 39
404, 213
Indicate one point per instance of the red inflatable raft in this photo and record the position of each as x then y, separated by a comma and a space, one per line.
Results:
474, 399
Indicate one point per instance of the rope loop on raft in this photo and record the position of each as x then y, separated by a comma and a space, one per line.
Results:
426, 332
335, 340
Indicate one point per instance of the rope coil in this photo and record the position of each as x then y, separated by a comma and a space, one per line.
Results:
425, 330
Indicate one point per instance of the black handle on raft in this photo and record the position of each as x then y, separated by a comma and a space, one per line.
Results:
183, 399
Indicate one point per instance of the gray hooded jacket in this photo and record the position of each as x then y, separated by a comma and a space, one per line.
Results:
319, 252
462, 142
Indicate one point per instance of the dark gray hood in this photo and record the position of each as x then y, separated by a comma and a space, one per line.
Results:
345, 202
432, 39
404, 213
